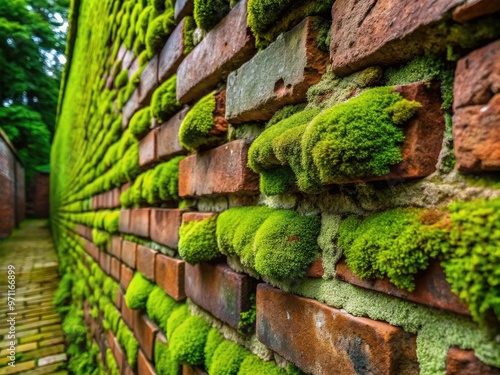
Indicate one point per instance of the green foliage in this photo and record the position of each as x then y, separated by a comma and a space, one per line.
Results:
112, 367
74, 329
198, 127
101, 239
188, 341
208, 13
164, 363
164, 103
189, 28
127, 341
252, 365
214, 339
62, 296
160, 306
197, 240
227, 358
140, 123
138, 292
158, 31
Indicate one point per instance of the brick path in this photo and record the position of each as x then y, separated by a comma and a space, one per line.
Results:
40, 341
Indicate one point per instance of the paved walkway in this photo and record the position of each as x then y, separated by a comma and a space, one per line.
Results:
40, 341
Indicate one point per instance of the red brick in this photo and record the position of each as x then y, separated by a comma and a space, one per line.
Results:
474, 9
131, 106
431, 288
316, 269
105, 262
91, 249
124, 225
118, 300
464, 362
172, 53
167, 140
183, 8
146, 261
115, 268
147, 149
127, 369
221, 170
115, 248
219, 290
126, 275
144, 367
366, 33
189, 370
223, 50
118, 354
196, 216
307, 332
145, 331
110, 339
165, 224
148, 82
279, 75
116, 197
130, 316
129, 253
139, 219
169, 274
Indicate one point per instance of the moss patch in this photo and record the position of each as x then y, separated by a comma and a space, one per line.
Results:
197, 240
164, 103
188, 341
158, 31
140, 123
160, 306
138, 292
214, 339
227, 358
208, 13
252, 365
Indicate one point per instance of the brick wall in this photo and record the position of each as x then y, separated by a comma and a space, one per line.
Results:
40, 194
321, 192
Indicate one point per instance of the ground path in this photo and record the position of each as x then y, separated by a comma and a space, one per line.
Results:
40, 341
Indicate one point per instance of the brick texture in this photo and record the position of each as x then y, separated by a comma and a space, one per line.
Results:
115, 247
167, 140
124, 225
145, 331
146, 261
144, 367
126, 275
115, 268
474, 9
165, 224
147, 149
169, 274
148, 82
464, 362
129, 253
139, 222
183, 8
172, 53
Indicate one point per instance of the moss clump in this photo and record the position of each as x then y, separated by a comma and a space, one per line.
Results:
164, 363
121, 79
214, 339
285, 112
178, 316
101, 239
138, 292
112, 367
140, 123
158, 32
189, 28
252, 365
127, 341
197, 240
160, 306
198, 127
164, 103
188, 341
247, 318
208, 13
227, 358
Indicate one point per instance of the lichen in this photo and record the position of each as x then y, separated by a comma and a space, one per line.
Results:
138, 292
197, 240
164, 102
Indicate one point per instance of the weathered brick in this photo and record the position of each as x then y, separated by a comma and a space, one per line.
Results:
148, 82
145, 331
316, 269
127, 59
147, 149
221, 170
367, 33
169, 274
187, 217
475, 8
224, 49
116, 198
110, 338
134, 67
219, 290
130, 316
139, 219
167, 140
115, 247
144, 367
189, 370
307, 332
146, 261
118, 354
129, 253
118, 300
431, 288
277, 76
183, 8
124, 225
115, 268
91, 249
172, 53
464, 362
126, 275
130, 107
165, 224
105, 262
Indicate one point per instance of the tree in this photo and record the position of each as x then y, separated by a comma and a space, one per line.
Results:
31, 46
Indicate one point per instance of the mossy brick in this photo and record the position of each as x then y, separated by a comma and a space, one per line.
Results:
105, 262
147, 150
118, 353
221, 170
145, 331
225, 48
91, 249
473, 9
115, 246
167, 140
169, 275
144, 366
183, 8
172, 53
118, 300
130, 107
307, 332
431, 287
125, 223
23, 366
134, 67
146, 259
464, 362
140, 222
364, 33
165, 224
129, 253
129, 316
115, 268
126, 275
149, 81
316, 269
279, 75
220, 290
127, 59
190, 370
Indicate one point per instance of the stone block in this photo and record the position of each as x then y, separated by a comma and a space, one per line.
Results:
131, 106
146, 262
167, 140
473, 9
115, 247
126, 275
183, 8
105, 262
115, 269
169, 274
124, 225
148, 82
165, 224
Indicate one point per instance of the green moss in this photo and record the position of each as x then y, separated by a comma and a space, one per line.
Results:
198, 127
208, 13
252, 365
100, 238
178, 316
197, 240
285, 112
140, 123
112, 221
327, 241
247, 318
158, 32
214, 339
160, 306
189, 28
227, 358
164, 103
138, 292
188, 341
275, 181
127, 341
112, 367
322, 28
164, 364
62, 296
121, 79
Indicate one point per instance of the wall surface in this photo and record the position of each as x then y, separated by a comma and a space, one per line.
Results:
40, 192
280, 187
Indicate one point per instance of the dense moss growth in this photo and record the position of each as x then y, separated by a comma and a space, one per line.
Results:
112, 366
128, 342
160, 306
176, 318
164, 364
227, 359
138, 292
121, 79
140, 123
278, 244
188, 341
208, 13
158, 31
214, 339
252, 365
189, 28
197, 240
164, 103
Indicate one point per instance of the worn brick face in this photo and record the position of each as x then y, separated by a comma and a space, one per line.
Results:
167, 140
115, 268
148, 82
165, 224
145, 331
139, 222
124, 225
147, 149
129, 253
172, 53
169, 274
126, 275
323, 340
144, 366
146, 262
183, 8
464, 362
